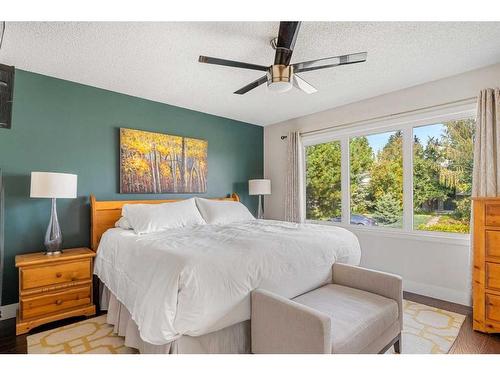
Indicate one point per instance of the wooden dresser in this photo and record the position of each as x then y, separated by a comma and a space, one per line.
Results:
486, 278
53, 287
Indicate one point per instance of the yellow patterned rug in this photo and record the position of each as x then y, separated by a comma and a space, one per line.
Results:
91, 336
426, 330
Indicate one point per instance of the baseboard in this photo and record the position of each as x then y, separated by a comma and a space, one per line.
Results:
8, 311
446, 294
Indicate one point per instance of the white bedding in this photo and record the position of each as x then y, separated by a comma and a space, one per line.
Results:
196, 280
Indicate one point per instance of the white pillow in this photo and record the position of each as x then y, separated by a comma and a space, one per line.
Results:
223, 212
149, 218
123, 223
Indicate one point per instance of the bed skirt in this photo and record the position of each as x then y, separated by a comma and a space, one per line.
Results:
230, 340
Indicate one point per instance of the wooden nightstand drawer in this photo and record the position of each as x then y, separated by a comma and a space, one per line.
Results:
56, 274
55, 302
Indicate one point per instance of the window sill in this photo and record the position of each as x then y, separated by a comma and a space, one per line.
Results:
442, 237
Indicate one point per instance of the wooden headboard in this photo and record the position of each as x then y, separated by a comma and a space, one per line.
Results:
104, 214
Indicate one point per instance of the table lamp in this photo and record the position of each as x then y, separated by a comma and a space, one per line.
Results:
259, 187
53, 185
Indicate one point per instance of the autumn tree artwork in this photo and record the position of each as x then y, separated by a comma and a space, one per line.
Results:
161, 163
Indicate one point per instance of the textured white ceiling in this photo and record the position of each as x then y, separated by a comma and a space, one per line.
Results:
158, 61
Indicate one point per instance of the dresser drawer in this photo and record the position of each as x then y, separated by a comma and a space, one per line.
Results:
492, 276
492, 243
55, 274
493, 307
492, 214
50, 303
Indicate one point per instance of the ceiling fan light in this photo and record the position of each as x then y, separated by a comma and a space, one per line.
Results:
279, 86
280, 78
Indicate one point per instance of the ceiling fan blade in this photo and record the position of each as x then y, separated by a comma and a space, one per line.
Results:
231, 63
287, 36
252, 85
329, 62
303, 85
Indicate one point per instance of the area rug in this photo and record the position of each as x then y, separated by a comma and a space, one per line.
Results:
426, 330
91, 336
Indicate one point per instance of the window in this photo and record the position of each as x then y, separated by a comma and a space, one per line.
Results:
323, 192
376, 186
442, 176
415, 175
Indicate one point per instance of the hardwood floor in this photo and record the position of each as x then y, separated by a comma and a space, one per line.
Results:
468, 341
9, 342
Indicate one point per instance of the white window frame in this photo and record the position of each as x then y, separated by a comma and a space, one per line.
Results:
404, 123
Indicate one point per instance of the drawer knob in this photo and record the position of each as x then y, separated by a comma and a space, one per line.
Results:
59, 274
59, 302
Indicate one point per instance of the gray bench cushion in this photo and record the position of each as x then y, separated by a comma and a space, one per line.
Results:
357, 317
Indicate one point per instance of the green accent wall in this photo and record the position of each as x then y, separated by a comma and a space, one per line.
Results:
62, 126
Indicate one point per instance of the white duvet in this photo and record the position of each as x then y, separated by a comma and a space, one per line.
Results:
197, 280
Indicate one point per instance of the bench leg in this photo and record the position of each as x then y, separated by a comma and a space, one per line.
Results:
396, 342
397, 346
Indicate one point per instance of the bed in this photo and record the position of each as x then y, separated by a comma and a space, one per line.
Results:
187, 290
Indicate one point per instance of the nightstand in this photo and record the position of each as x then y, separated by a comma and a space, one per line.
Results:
53, 287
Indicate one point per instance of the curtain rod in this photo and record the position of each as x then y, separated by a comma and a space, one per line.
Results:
461, 101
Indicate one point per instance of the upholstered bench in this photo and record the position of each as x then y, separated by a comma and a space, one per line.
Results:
359, 312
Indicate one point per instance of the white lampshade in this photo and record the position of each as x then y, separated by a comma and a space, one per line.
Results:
259, 187
53, 185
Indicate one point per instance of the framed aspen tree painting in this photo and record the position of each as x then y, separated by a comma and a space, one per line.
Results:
162, 163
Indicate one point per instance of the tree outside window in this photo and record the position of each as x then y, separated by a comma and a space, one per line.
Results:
442, 178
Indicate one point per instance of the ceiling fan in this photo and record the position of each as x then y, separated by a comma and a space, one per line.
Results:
282, 75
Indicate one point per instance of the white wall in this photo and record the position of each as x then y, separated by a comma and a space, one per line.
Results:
438, 269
